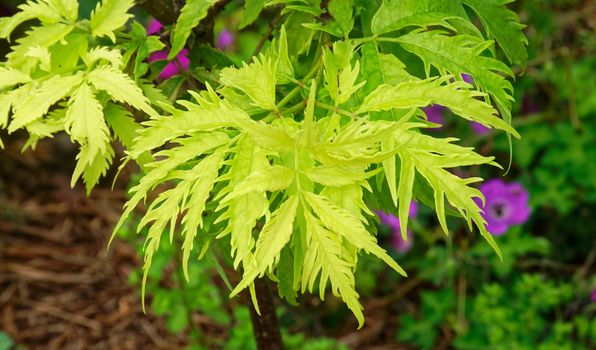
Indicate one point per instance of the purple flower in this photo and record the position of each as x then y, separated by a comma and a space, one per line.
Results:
467, 78
434, 114
593, 296
154, 27
478, 128
399, 244
181, 62
225, 39
506, 205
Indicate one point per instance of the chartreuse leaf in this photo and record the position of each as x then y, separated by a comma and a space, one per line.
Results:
36, 104
349, 227
431, 157
407, 174
68, 9
271, 179
202, 117
340, 77
160, 170
191, 14
45, 36
85, 124
324, 257
205, 174
455, 189
274, 236
10, 77
108, 16
120, 87
455, 96
30, 10
257, 80
103, 53
279, 51
502, 25
242, 212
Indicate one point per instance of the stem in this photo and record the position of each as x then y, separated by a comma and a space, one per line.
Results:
267, 34
265, 327
335, 109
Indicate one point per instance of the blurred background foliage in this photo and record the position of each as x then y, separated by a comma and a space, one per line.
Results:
459, 295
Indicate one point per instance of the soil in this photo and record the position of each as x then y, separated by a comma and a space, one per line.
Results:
60, 285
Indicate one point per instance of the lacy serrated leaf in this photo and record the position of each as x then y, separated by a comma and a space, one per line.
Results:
10, 77
455, 189
348, 226
337, 176
324, 258
274, 236
120, 87
502, 25
36, 104
407, 174
108, 16
242, 212
272, 178
203, 117
159, 171
257, 80
191, 14
97, 168
42, 54
340, 77
30, 10
68, 9
38, 36
5, 106
205, 173
103, 53
284, 69
455, 96
85, 124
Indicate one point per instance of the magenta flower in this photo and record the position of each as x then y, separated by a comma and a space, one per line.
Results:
180, 63
467, 78
434, 113
506, 205
593, 297
154, 27
225, 39
399, 244
478, 128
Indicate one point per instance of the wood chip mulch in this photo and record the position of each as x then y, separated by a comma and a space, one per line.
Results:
60, 287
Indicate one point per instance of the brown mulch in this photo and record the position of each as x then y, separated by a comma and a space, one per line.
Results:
60, 287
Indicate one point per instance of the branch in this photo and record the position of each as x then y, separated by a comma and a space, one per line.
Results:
265, 326
165, 11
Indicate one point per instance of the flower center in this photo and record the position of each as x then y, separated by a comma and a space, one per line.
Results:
499, 210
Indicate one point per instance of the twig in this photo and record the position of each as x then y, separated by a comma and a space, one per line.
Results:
67, 316
267, 34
